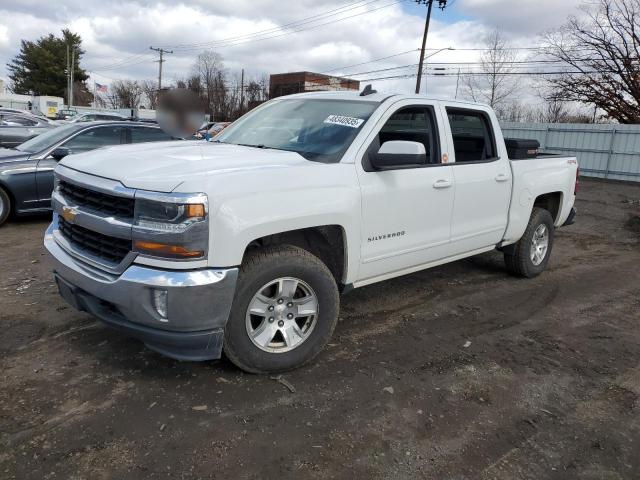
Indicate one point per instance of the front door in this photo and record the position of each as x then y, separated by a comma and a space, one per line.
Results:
406, 213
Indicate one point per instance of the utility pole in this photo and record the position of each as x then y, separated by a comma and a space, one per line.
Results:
68, 77
160, 62
429, 3
73, 66
457, 85
242, 92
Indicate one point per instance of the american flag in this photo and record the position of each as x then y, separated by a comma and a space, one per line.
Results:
101, 88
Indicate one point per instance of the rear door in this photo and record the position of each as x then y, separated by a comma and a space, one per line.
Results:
406, 212
482, 180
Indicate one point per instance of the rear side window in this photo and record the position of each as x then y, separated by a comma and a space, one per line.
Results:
142, 134
473, 139
95, 138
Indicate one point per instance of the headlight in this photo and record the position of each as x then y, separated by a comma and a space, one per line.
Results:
172, 226
168, 217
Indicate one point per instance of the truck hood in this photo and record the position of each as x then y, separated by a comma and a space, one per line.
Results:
163, 166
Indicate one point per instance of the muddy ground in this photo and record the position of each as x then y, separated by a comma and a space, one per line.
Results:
460, 372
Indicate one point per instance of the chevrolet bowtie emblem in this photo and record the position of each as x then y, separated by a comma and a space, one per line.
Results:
69, 213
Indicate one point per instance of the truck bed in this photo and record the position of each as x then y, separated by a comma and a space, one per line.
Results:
533, 177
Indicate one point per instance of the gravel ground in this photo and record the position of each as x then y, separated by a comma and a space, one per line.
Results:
459, 372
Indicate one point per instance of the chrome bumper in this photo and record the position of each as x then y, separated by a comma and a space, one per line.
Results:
198, 302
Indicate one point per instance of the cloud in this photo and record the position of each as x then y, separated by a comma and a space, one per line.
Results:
117, 34
519, 18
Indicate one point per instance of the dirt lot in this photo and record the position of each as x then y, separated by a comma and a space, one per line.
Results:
549, 386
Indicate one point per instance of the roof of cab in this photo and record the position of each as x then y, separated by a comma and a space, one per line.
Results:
379, 97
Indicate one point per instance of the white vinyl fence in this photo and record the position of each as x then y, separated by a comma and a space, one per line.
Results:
605, 151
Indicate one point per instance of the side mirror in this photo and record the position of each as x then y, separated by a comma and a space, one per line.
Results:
399, 154
60, 152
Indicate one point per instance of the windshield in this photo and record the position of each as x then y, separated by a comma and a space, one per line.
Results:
319, 129
47, 139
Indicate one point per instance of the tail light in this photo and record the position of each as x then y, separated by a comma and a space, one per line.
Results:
577, 187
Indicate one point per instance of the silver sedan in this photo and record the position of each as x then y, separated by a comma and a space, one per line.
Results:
17, 128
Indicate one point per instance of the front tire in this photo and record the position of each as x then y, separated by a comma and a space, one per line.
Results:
5, 206
284, 311
529, 257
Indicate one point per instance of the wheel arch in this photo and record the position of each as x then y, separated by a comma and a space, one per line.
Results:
552, 202
12, 199
327, 242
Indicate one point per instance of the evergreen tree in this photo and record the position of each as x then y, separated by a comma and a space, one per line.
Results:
41, 66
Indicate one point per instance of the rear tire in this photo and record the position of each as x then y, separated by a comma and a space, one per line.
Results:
284, 311
529, 257
5, 206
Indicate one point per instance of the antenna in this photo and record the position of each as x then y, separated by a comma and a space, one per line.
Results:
368, 91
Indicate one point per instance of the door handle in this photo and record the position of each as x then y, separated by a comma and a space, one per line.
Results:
503, 177
441, 184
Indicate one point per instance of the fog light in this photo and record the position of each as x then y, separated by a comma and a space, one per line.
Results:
160, 303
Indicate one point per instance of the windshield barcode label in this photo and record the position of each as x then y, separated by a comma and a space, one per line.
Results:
345, 121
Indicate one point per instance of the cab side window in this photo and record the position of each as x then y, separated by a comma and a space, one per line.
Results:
473, 139
412, 124
95, 138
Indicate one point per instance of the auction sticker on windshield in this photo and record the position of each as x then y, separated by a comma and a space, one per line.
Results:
345, 121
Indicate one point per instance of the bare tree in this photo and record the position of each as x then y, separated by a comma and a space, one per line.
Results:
492, 84
150, 91
603, 52
125, 94
547, 111
209, 68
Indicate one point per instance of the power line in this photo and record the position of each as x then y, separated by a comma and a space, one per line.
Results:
258, 36
560, 72
372, 61
121, 62
432, 65
328, 13
231, 44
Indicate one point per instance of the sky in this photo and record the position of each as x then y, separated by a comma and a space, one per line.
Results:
260, 36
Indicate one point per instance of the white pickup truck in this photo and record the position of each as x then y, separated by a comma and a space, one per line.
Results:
244, 244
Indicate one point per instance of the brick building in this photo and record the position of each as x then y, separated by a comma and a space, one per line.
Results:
298, 82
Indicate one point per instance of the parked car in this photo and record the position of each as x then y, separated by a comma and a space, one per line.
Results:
26, 171
27, 112
66, 114
211, 129
17, 128
217, 128
245, 243
92, 117
203, 129
14, 110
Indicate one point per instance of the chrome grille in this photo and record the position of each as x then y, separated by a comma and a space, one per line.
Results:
108, 248
97, 201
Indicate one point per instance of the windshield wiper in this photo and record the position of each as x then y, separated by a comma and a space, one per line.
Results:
260, 145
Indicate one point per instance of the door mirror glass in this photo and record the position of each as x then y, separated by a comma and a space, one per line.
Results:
399, 154
60, 152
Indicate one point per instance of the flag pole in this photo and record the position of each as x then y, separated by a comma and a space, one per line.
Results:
94, 94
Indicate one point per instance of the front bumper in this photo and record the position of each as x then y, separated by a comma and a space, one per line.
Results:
198, 302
